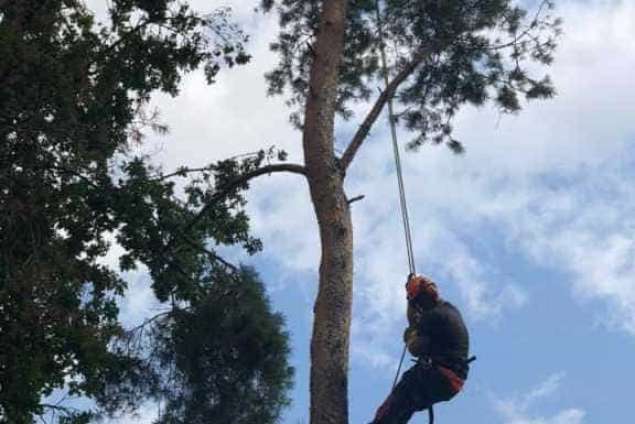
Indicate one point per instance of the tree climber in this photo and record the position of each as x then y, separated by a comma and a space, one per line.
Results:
438, 338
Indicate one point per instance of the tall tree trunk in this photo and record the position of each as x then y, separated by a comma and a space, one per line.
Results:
332, 311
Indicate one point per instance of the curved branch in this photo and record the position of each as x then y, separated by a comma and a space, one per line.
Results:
148, 321
227, 188
182, 172
375, 111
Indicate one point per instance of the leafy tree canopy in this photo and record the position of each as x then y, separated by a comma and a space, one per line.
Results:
73, 96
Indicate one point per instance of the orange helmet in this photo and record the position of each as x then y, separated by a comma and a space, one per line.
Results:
419, 285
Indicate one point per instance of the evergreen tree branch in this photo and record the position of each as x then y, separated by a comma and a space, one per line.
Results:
527, 31
375, 111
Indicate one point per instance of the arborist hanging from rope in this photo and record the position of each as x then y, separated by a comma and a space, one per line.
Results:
436, 334
438, 338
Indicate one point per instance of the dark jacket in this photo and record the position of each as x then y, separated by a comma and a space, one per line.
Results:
439, 334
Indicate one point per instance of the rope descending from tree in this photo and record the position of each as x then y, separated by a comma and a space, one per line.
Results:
395, 146
402, 191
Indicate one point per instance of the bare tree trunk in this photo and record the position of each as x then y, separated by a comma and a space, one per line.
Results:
332, 311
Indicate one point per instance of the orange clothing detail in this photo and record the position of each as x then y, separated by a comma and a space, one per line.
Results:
455, 381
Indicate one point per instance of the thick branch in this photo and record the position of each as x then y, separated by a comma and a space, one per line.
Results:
182, 172
375, 111
240, 180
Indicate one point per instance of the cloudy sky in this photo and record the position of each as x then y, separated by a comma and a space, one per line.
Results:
531, 232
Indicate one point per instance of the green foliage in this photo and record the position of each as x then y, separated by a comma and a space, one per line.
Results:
224, 358
153, 218
72, 99
473, 51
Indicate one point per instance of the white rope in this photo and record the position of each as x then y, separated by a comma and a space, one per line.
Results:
395, 145
402, 191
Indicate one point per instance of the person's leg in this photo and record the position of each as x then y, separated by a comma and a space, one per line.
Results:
400, 404
393, 411
419, 388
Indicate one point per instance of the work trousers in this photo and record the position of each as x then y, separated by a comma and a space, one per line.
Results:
419, 388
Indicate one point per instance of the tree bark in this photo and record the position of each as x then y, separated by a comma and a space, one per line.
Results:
332, 310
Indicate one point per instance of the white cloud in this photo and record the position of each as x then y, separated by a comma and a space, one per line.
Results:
543, 390
515, 410
139, 302
582, 221
568, 416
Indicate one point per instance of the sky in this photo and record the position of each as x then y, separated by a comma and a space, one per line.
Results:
531, 232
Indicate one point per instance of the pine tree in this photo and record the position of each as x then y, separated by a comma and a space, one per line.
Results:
444, 54
224, 358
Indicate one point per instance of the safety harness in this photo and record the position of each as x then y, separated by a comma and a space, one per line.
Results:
455, 381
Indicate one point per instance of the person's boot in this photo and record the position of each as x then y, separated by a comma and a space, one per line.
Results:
393, 411
382, 410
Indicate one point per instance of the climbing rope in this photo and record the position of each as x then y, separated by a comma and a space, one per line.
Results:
395, 146
402, 191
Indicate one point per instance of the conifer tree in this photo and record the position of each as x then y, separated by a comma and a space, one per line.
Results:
443, 54
224, 358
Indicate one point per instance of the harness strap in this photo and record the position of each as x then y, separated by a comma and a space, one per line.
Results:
455, 381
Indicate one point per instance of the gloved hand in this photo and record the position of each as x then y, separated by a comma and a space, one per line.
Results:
416, 343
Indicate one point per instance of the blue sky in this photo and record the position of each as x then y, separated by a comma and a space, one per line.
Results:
531, 233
